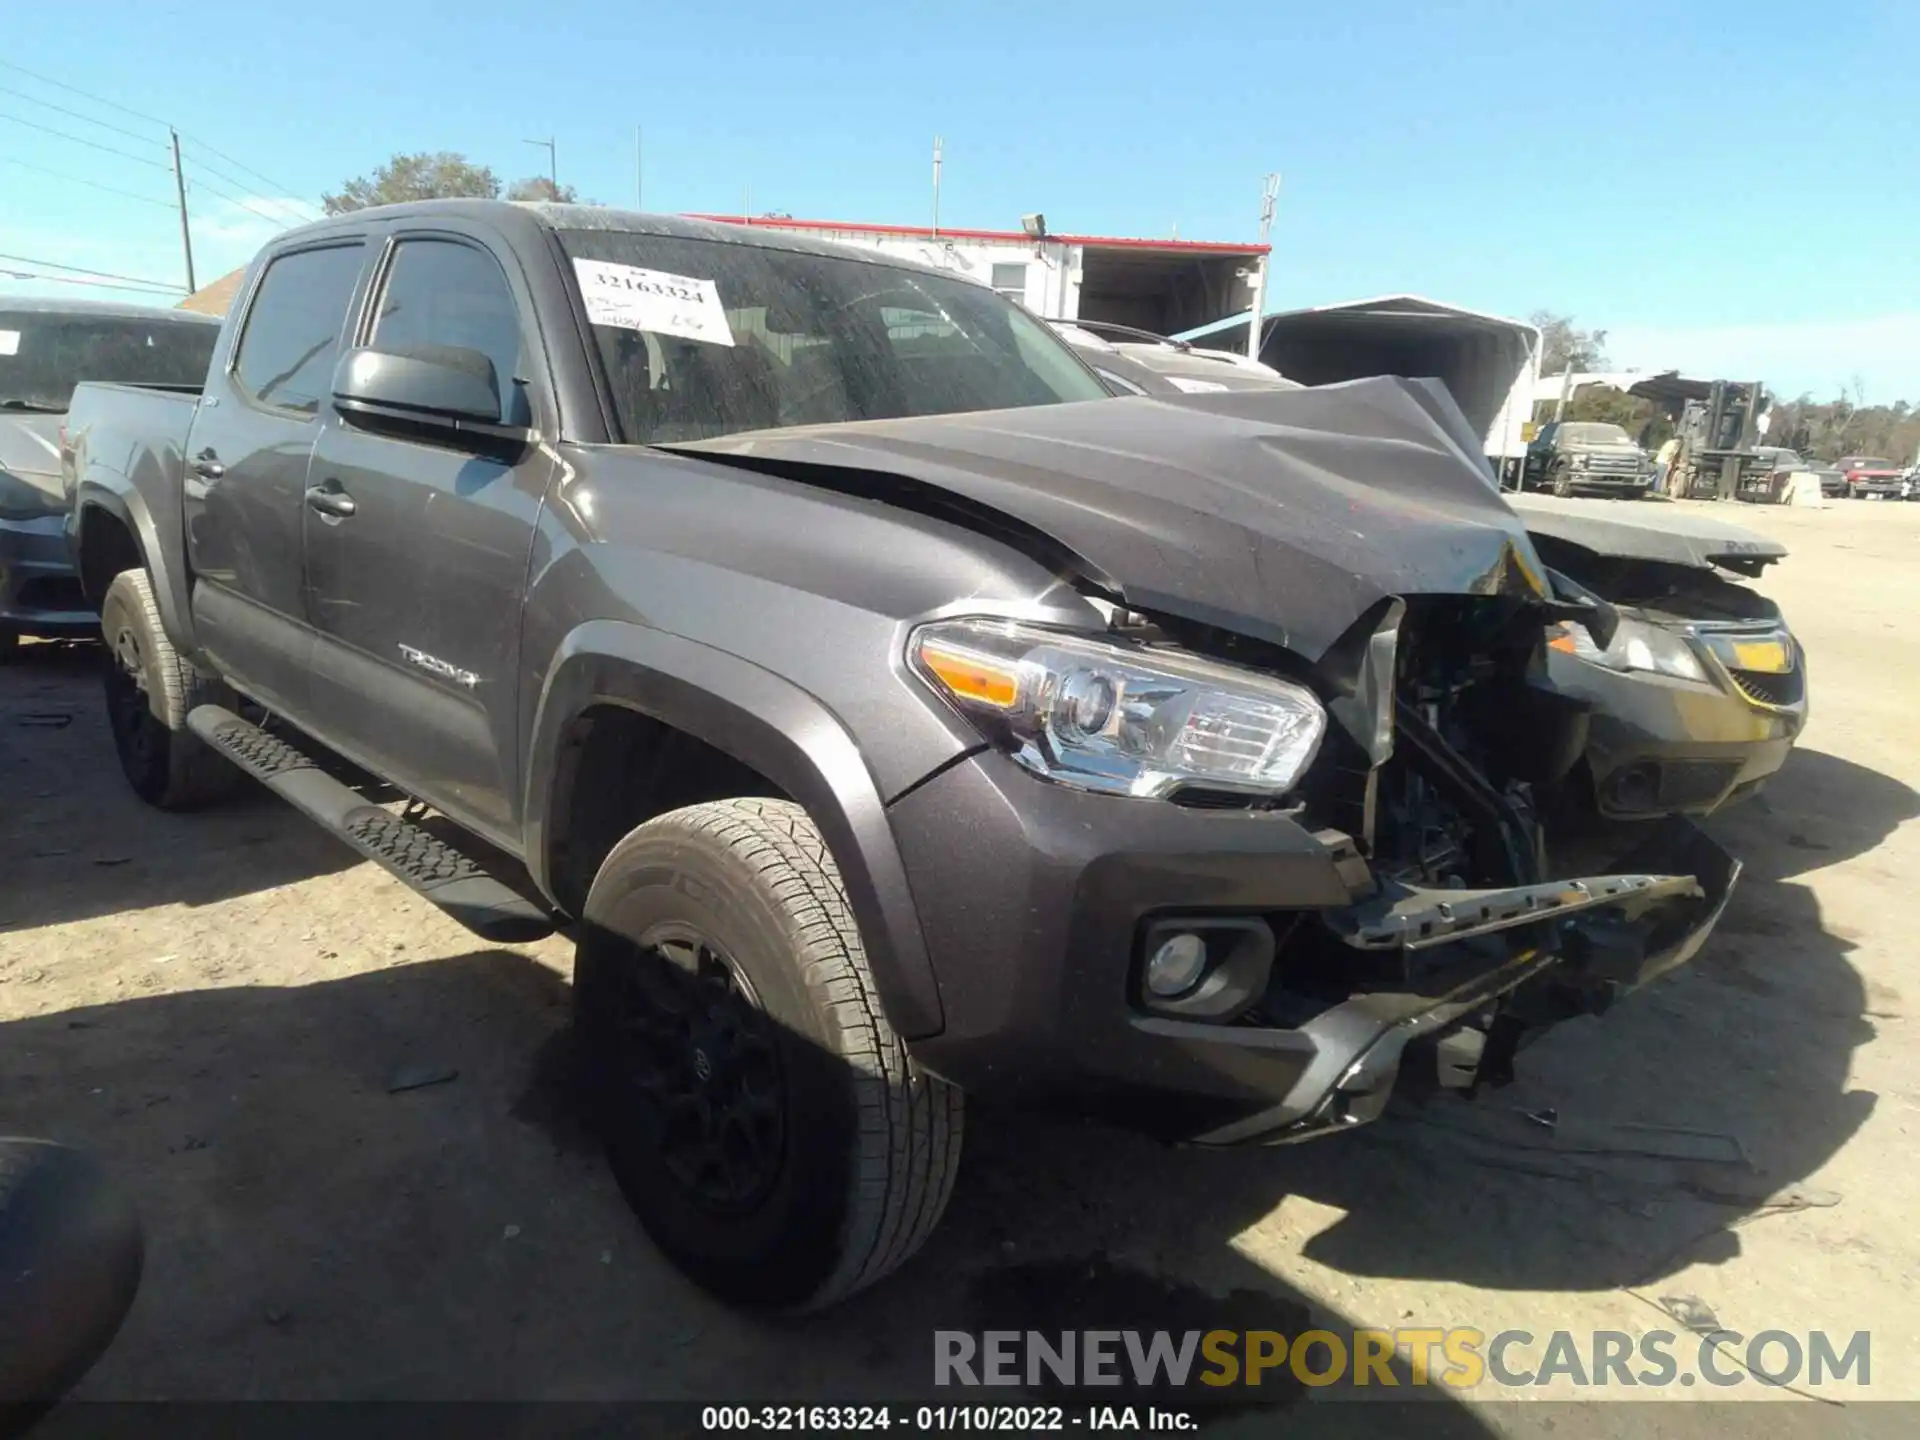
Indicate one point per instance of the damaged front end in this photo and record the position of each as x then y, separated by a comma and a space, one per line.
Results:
1254, 558
1467, 937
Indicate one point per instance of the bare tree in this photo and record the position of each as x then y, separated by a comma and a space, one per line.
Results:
1564, 347
439, 175
539, 187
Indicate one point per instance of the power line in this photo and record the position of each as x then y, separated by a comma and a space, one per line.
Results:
248, 169
75, 114
84, 94
202, 169
231, 199
82, 140
90, 184
100, 274
168, 291
139, 115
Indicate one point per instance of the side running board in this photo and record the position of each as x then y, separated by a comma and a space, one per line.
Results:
439, 872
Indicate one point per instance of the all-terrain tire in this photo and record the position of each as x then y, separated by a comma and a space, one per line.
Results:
1561, 478
869, 1141
150, 688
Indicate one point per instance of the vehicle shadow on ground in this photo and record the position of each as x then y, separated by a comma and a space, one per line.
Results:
75, 842
381, 1188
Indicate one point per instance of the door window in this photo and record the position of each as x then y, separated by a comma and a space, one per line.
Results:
443, 293
288, 349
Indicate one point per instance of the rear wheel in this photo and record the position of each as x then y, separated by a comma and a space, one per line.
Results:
762, 1118
150, 689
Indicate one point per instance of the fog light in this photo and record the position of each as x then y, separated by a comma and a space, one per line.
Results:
1176, 965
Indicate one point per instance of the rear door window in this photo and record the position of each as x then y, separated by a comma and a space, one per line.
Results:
292, 340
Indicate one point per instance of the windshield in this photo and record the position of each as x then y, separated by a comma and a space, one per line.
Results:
1589, 433
44, 354
701, 338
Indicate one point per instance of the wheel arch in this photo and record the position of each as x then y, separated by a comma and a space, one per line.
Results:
113, 531
762, 723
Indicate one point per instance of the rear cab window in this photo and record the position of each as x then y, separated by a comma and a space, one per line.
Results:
291, 340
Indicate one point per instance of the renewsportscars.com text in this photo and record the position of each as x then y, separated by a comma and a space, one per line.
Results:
1459, 1358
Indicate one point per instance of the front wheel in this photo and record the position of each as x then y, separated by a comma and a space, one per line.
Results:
762, 1118
1563, 481
150, 689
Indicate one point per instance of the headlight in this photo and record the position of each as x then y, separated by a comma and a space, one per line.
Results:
1125, 720
1580, 462
1636, 646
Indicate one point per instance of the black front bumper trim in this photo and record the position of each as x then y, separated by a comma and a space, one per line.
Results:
1416, 917
1355, 1048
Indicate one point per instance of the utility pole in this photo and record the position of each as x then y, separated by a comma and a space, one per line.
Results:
180, 189
937, 144
639, 169
553, 163
1269, 195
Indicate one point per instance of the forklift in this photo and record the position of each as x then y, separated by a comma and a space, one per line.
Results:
1717, 432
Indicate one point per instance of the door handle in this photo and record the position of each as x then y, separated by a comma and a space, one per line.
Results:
208, 468
329, 499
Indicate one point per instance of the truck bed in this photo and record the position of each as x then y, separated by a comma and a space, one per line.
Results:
141, 415
126, 437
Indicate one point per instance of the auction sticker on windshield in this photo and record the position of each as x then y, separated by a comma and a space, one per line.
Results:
9, 342
633, 298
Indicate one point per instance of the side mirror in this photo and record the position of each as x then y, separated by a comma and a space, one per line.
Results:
445, 387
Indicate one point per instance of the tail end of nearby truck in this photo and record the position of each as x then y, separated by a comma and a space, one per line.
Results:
123, 466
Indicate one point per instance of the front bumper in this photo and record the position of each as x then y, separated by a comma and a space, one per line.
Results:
1034, 900
1599, 482
1895, 489
39, 591
1662, 746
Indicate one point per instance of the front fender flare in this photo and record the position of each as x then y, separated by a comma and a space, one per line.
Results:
779, 730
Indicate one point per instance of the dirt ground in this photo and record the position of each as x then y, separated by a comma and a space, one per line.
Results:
220, 1004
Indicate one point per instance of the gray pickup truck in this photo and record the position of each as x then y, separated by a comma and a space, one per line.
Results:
892, 715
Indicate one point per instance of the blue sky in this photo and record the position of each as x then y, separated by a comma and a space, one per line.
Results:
1506, 157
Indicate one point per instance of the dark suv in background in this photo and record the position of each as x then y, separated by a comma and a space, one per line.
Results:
46, 348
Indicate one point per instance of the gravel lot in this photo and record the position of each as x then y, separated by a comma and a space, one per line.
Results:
219, 1004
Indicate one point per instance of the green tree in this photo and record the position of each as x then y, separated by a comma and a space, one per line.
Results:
1564, 347
440, 175
539, 187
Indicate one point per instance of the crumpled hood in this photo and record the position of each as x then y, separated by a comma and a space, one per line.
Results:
1281, 514
1644, 530
30, 453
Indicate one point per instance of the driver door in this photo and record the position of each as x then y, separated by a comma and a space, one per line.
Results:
417, 547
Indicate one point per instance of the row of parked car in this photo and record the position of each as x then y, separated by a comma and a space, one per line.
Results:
903, 701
